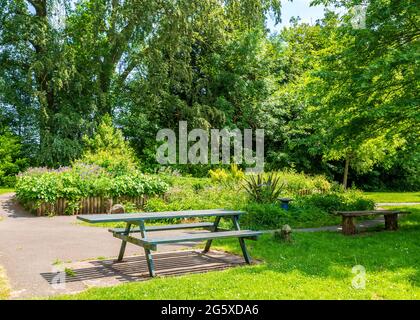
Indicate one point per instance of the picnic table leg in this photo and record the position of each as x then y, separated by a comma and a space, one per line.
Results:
247, 257
348, 226
214, 229
391, 221
124, 243
148, 254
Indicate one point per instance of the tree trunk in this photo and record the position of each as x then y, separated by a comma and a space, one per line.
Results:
346, 172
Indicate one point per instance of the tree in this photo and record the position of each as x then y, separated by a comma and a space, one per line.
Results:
76, 60
365, 91
11, 162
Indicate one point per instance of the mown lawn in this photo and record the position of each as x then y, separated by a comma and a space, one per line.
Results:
6, 190
314, 266
4, 285
394, 196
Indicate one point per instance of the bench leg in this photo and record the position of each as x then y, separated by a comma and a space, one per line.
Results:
148, 254
245, 253
348, 226
214, 229
124, 243
391, 222
247, 257
150, 264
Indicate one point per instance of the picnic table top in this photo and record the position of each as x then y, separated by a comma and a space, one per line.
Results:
126, 217
368, 212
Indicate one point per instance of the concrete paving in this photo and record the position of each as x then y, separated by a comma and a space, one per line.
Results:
33, 247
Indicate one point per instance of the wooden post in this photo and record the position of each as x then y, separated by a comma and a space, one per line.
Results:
391, 221
348, 227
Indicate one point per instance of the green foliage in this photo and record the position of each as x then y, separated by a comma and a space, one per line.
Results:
326, 94
108, 149
304, 211
11, 162
225, 177
39, 185
263, 188
351, 200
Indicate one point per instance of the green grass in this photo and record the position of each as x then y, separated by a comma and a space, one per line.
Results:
4, 284
314, 266
6, 190
394, 196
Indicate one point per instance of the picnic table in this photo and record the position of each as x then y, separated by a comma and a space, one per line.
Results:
348, 217
135, 223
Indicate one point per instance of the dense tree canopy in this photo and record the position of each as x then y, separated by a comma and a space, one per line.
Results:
333, 97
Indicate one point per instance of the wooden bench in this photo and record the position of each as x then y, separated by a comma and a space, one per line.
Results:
150, 243
348, 219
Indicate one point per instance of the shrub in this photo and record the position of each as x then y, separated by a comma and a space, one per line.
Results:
263, 188
299, 182
350, 200
227, 177
305, 211
39, 185
108, 149
10, 161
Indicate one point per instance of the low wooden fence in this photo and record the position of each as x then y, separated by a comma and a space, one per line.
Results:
90, 205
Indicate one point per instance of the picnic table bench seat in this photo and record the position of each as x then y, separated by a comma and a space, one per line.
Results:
204, 225
150, 243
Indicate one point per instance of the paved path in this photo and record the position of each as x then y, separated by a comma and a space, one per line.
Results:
30, 245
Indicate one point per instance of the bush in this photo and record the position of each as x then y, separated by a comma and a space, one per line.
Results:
263, 188
108, 149
351, 200
227, 177
10, 161
305, 211
39, 185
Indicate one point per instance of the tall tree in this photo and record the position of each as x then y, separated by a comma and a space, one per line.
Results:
78, 58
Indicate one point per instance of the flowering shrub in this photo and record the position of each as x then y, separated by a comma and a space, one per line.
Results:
38, 185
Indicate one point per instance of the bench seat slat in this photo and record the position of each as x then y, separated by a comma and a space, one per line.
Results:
168, 227
369, 213
133, 217
205, 236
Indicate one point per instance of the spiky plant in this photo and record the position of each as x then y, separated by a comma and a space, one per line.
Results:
263, 188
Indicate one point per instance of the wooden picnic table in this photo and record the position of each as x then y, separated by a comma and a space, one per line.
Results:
138, 221
348, 217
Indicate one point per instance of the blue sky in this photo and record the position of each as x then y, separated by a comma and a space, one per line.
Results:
297, 8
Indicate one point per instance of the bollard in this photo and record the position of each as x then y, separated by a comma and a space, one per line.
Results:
284, 203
